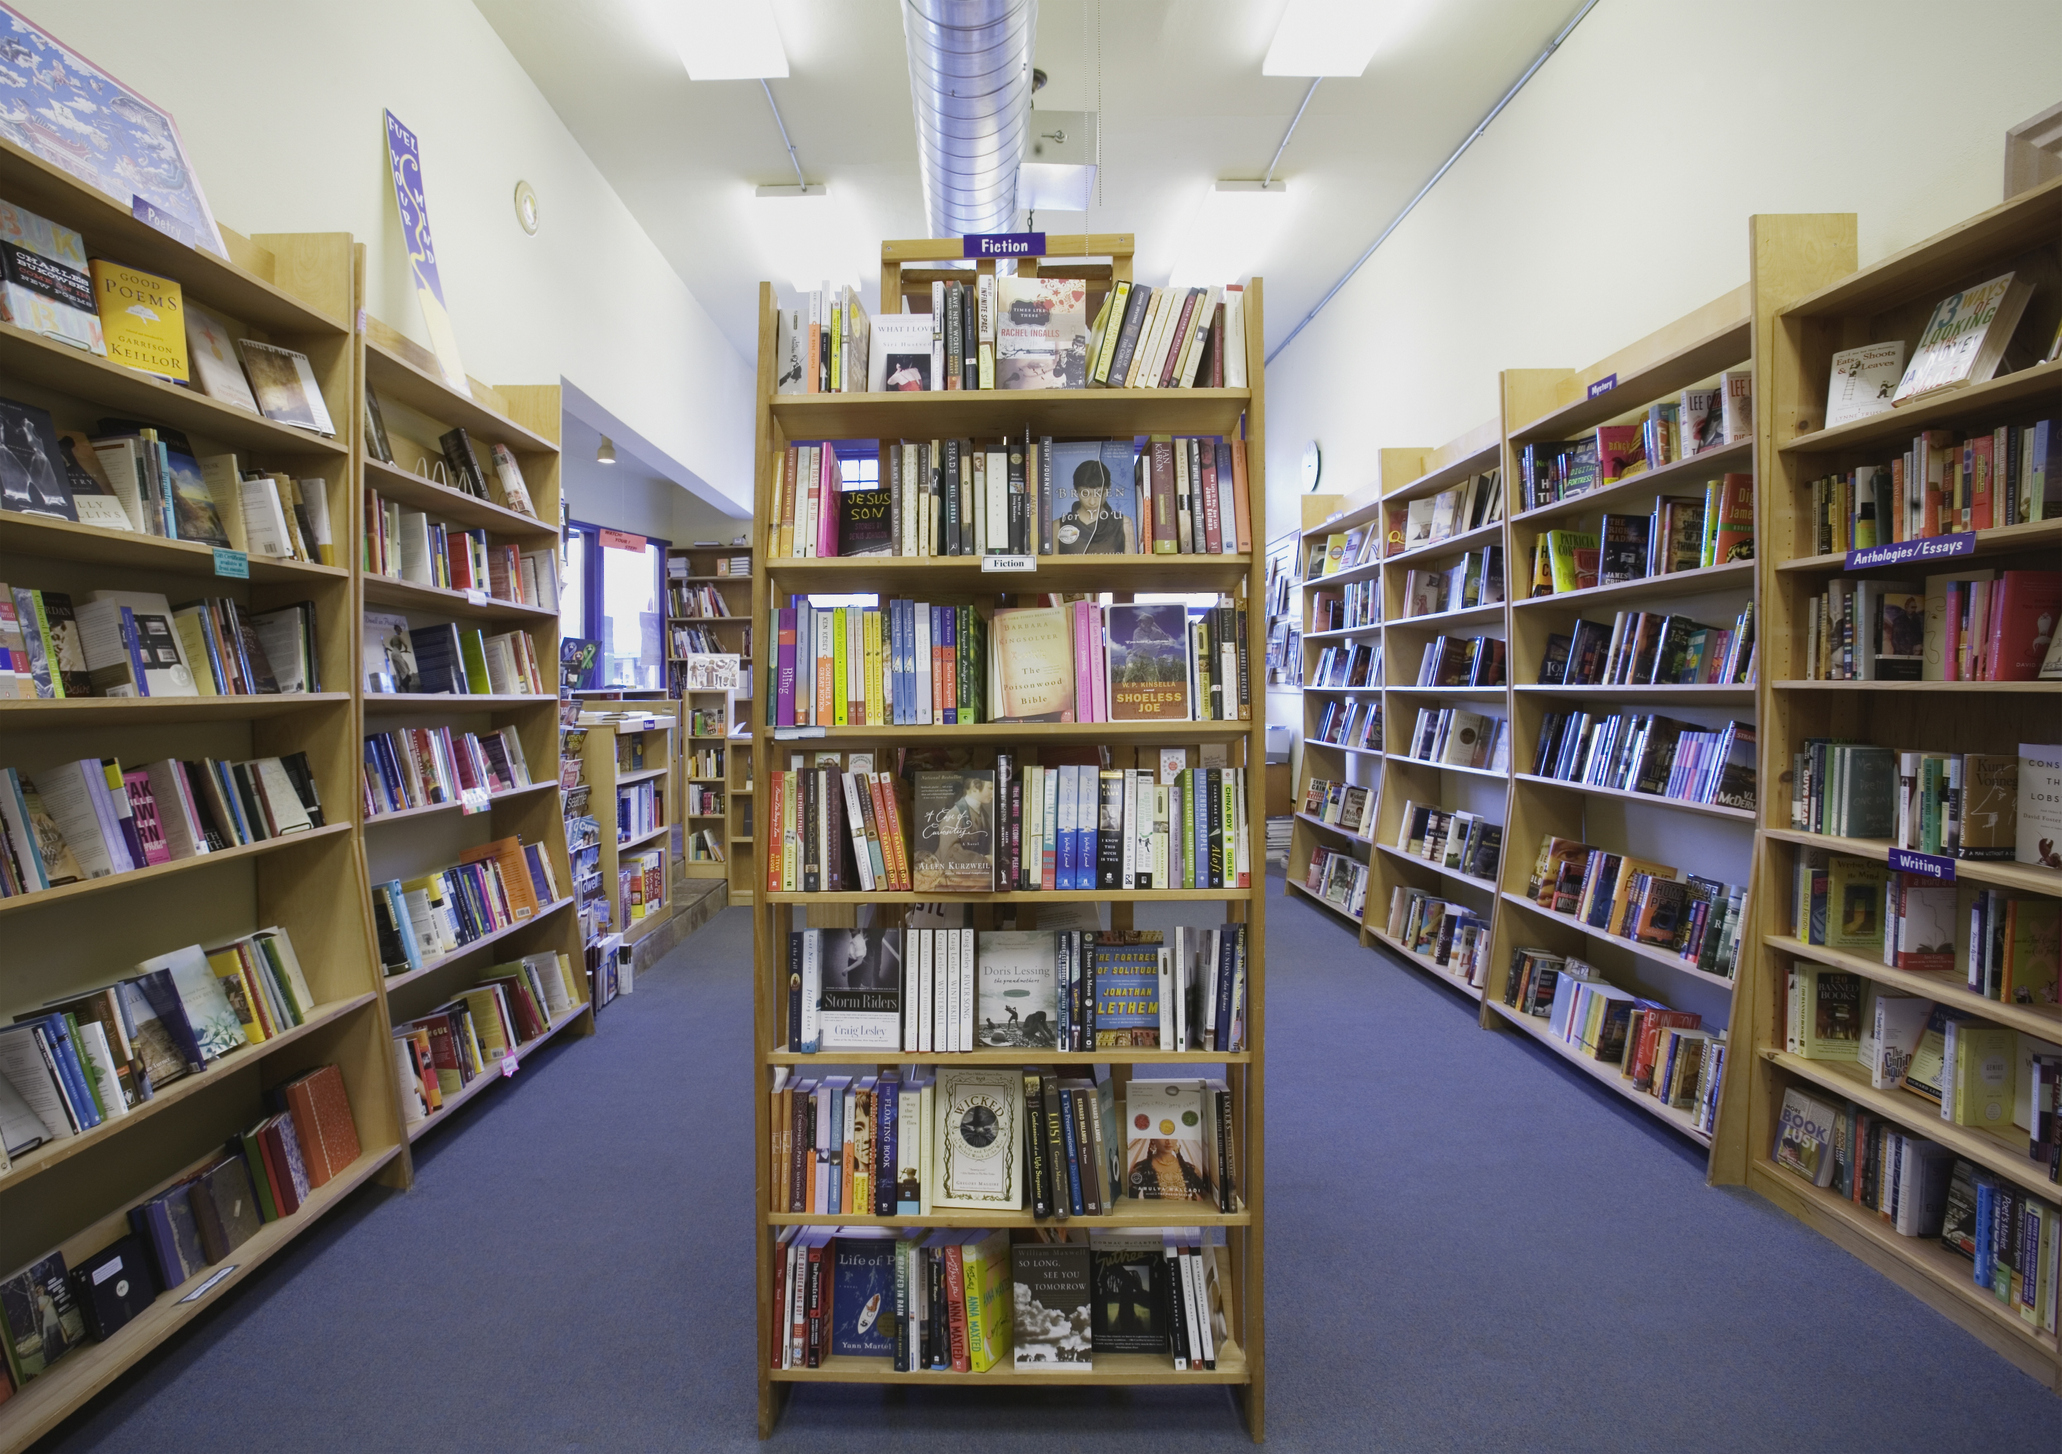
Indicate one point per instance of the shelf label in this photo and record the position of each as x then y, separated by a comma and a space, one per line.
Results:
508, 1066
793, 734
991, 564
209, 1286
1602, 386
476, 598
472, 800
1928, 865
1933, 547
235, 564
1003, 244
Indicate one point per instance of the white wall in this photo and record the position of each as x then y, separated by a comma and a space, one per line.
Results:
279, 103
1612, 197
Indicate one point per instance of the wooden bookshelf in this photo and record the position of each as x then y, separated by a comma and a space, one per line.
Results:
714, 567
607, 747
1796, 332
417, 408
73, 1195
1063, 414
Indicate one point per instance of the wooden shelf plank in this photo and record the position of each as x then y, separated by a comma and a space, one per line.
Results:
451, 701
1446, 766
40, 535
418, 1129
412, 596
1343, 634
66, 892
1652, 800
2003, 1154
1179, 731
52, 1153
1449, 475
963, 574
1677, 474
1652, 954
68, 712
1487, 886
1110, 1368
1051, 896
1457, 694
394, 377
1736, 575
1426, 962
1129, 1213
1342, 747
1076, 412
1709, 693
647, 774
1106, 1055
623, 845
1321, 901
1455, 544
1999, 540
1440, 620
485, 941
2025, 877
374, 820
451, 505
1726, 347
1991, 399
1336, 830
1604, 1075
2051, 688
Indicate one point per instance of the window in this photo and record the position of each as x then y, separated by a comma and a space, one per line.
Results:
616, 598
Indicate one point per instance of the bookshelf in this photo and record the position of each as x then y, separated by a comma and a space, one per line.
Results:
418, 408
1062, 414
73, 1195
725, 571
1408, 475
1795, 336
627, 761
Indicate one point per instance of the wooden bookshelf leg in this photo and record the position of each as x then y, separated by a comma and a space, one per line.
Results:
1252, 1401
773, 1402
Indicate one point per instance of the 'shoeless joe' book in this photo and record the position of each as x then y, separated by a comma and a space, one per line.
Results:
955, 832
1149, 665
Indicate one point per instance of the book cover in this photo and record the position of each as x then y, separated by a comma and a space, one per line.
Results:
859, 1004
1128, 1313
212, 353
1863, 381
955, 832
45, 287
1050, 1321
33, 477
862, 1297
1148, 662
2039, 839
1032, 658
899, 358
1126, 976
1163, 1151
113, 1286
43, 1321
1804, 1137
1963, 339
1094, 498
284, 384
979, 1136
865, 526
1041, 333
1018, 992
142, 317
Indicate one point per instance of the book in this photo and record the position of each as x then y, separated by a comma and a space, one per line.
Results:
1863, 381
45, 285
1051, 1329
1164, 1139
1032, 658
1804, 1136
1018, 993
43, 1320
859, 999
1041, 333
1148, 662
283, 382
2038, 840
212, 353
142, 318
900, 357
1965, 338
955, 832
33, 476
1095, 506
864, 524
979, 1139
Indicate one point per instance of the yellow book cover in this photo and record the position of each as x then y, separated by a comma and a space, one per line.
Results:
1572, 558
1335, 554
485, 1008
1854, 904
841, 706
142, 318
1621, 898
1985, 1058
228, 968
1033, 656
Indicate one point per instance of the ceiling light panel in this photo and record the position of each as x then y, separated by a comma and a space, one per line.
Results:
730, 40
1327, 37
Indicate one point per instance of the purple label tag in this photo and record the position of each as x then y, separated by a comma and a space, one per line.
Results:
1933, 547
1602, 386
1003, 244
1926, 865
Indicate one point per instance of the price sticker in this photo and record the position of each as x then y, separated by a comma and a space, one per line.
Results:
476, 598
508, 1066
996, 564
234, 564
472, 800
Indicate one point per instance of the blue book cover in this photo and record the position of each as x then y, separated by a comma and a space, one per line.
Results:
863, 1318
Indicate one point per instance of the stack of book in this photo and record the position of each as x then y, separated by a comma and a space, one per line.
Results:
1351, 723
1341, 804
1699, 420
137, 644
1697, 919
1639, 752
1973, 626
448, 660
1476, 579
1356, 665
1456, 737
1454, 936
420, 767
1454, 661
1650, 648
1338, 878
1661, 1052
1942, 485
1462, 841
493, 887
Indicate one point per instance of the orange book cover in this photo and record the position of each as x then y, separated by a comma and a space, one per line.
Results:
506, 854
321, 1114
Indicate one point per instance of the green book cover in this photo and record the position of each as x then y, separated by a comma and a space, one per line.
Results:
472, 648
1854, 908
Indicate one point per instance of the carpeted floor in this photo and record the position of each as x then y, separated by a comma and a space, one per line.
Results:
1469, 1247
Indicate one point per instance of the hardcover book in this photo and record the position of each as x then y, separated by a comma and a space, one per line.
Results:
1127, 977
44, 284
142, 317
1094, 498
1863, 381
1032, 659
113, 1286
979, 1139
862, 1298
285, 386
859, 1006
864, 523
32, 473
1018, 1005
212, 354
1128, 1313
1041, 333
1163, 1132
2039, 838
1963, 341
1804, 1137
1148, 662
900, 356
955, 832
43, 1321
1050, 1319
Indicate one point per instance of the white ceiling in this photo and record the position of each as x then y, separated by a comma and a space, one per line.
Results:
1182, 100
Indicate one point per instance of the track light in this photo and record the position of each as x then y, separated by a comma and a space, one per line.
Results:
607, 453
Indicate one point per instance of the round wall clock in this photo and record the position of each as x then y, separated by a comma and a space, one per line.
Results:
526, 207
1313, 466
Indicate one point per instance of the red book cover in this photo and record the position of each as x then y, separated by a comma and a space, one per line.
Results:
2023, 611
776, 827
1621, 451
1174, 339
321, 1114
1213, 529
812, 1338
1981, 475
1162, 474
458, 550
956, 1306
286, 1195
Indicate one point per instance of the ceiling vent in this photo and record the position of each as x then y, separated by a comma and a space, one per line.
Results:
970, 80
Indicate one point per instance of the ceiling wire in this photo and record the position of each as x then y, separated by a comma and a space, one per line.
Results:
1397, 221
792, 158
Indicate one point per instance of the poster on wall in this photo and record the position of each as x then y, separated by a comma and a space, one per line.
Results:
404, 162
59, 106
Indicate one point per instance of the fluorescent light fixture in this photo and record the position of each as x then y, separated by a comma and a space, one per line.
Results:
1232, 232
1057, 187
792, 189
1326, 37
730, 40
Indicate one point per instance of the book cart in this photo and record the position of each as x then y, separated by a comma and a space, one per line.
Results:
417, 408
1408, 779
1063, 414
1794, 344
732, 777
73, 1194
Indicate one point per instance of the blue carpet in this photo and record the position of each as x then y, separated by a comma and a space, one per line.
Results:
1470, 1247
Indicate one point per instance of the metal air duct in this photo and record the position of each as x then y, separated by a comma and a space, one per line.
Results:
970, 81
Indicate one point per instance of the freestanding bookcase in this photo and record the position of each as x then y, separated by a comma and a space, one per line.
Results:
1794, 345
1097, 413
732, 745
